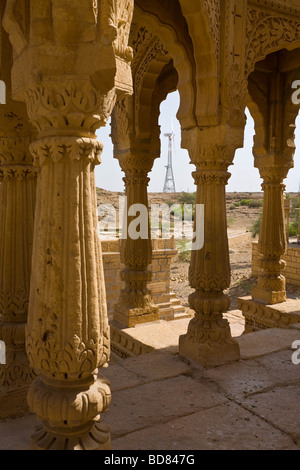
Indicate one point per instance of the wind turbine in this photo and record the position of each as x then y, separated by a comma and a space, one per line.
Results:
169, 186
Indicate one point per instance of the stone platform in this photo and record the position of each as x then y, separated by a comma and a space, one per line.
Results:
259, 316
162, 334
160, 402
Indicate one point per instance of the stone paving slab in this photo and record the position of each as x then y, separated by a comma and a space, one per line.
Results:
120, 377
241, 379
159, 402
15, 433
138, 370
161, 335
263, 342
157, 366
281, 367
156, 402
281, 407
224, 427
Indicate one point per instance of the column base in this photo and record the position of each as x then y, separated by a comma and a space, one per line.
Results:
259, 316
210, 345
268, 297
95, 437
136, 316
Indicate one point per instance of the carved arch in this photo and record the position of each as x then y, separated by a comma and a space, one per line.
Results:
268, 33
182, 64
271, 78
203, 18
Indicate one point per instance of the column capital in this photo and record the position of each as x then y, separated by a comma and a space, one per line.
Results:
212, 148
136, 166
273, 168
62, 107
202, 176
61, 147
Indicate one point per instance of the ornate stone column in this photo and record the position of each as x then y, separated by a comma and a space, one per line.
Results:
136, 304
208, 339
270, 288
70, 61
17, 204
67, 331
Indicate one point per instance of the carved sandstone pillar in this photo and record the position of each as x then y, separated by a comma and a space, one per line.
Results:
270, 288
208, 339
136, 304
70, 60
67, 332
17, 205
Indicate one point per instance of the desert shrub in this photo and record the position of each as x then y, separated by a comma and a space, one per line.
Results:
178, 211
256, 203
245, 202
184, 250
233, 207
255, 229
294, 223
187, 198
293, 229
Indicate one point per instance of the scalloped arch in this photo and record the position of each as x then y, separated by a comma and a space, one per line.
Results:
286, 35
182, 64
203, 29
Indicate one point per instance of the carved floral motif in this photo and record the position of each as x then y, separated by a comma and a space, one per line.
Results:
266, 33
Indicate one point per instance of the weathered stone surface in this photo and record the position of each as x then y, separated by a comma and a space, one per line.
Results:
240, 379
224, 427
121, 378
15, 433
280, 407
158, 402
259, 316
266, 341
156, 366
160, 335
254, 376
281, 367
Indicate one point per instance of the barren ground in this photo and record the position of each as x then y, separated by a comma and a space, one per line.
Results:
240, 220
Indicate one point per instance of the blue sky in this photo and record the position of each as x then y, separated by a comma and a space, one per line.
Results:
245, 178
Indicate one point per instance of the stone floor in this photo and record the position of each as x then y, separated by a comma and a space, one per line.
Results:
160, 402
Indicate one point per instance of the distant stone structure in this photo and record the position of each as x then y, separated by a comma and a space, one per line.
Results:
282, 315
163, 251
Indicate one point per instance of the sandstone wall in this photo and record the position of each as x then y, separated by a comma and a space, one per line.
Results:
163, 252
